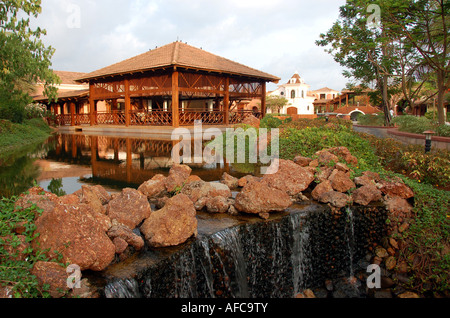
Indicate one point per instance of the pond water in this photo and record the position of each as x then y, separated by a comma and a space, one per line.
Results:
66, 162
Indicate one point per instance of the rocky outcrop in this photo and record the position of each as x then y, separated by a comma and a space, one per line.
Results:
172, 225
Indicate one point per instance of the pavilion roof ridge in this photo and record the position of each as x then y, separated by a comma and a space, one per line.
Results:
177, 54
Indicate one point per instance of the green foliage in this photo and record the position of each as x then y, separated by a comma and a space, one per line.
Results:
304, 123
371, 120
17, 135
16, 264
418, 125
428, 239
24, 59
307, 142
270, 122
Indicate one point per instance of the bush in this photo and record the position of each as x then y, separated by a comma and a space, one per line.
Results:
270, 122
371, 120
305, 123
417, 125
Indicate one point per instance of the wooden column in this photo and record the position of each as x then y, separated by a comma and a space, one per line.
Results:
175, 100
72, 113
91, 105
226, 101
127, 103
263, 101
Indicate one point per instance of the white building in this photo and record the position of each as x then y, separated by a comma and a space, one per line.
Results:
296, 91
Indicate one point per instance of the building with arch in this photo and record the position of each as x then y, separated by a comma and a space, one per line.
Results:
297, 92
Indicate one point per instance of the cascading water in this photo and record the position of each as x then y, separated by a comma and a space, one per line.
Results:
277, 258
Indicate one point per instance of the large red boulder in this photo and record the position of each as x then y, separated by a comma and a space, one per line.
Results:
290, 178
78, 234
173, 225
260, 198
130, 208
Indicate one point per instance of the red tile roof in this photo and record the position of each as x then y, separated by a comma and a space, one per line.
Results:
181, 55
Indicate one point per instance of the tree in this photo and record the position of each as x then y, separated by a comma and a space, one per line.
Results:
276, 103
407, 45
24, 59
424, 25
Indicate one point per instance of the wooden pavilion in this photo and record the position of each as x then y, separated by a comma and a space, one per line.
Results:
174, 85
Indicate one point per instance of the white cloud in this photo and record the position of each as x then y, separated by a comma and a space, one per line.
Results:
275, 36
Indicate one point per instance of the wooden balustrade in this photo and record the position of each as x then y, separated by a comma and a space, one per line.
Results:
155, 118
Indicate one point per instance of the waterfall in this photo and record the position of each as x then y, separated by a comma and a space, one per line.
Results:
277, 258
350, 240
300, 254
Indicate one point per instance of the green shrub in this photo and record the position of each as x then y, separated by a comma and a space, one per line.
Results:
371, 120
418, 125
270, 122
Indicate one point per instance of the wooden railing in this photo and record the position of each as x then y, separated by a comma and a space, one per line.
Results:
154, 118
190, 117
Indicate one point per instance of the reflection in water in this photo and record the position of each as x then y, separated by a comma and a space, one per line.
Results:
67, 161
117, 163
18, 172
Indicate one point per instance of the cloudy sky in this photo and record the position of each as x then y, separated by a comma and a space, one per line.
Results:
274, 36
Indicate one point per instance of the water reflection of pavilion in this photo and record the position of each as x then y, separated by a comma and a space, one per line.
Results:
131, 161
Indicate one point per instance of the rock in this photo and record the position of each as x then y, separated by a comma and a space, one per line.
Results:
302, 161
193, 178
70, 199
364, 181
120, 244
323, 174
217, 205
78, 234
381, 252
172, 225
342, 167
290, 178
320, 189
199, 191
244, 180
408, 295
258, 197
393, 243
325, 157
340, 181
89, 196
126, 234
308, 293
396, 189
335, 198
230, 181
374, 176
44, 200
130, 208
86, 291
345, 154
398, 206
252, 121
154, 188
54, 276
314, 163
366, 194
390, 262
178, 175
